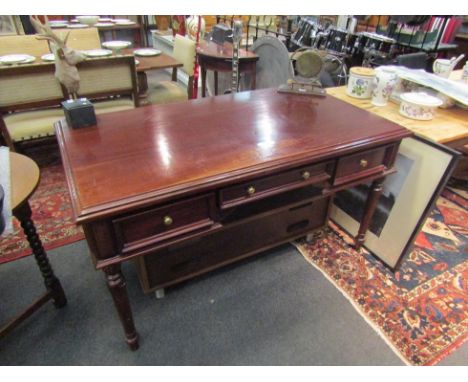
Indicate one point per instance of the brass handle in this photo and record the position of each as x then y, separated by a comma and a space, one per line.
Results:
251, 190
306, 175
167, 220
363, 163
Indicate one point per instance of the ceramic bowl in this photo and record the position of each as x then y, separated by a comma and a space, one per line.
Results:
116, 45
88, 20
419, 105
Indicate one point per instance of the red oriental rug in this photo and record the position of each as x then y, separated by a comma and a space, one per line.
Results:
421, 311
52, 217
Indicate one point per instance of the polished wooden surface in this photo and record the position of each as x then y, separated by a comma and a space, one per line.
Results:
218, 58
161, 61
24, 178
156, 152
175, 186
448, 125
223, 51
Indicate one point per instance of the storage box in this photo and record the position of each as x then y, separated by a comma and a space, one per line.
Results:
79, 113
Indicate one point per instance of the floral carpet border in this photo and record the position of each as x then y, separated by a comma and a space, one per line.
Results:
333, 258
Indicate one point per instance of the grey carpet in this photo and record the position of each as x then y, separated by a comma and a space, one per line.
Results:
274, 309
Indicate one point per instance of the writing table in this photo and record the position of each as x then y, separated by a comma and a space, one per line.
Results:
187, 187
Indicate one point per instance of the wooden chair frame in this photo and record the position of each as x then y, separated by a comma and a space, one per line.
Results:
49, 68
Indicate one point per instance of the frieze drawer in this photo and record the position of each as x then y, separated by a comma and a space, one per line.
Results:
152, 226
182, 261
270, 185
355, 166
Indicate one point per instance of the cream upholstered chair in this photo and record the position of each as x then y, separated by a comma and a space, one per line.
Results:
23, 44
171, 91
109, 82
81, 39
31, 96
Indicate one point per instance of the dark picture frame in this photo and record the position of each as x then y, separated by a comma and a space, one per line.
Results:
408, 198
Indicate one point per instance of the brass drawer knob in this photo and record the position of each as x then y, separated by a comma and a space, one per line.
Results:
306, 175
363, 163
251, 190
167, 220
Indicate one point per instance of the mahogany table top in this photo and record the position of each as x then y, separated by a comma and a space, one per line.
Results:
157, 152
223, 51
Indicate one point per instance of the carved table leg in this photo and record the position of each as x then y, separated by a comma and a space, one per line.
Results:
371, 203
118, 289
23, 214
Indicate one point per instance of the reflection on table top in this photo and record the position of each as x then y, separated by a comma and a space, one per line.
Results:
448, 125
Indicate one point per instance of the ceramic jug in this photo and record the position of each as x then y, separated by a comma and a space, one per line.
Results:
384, 82
443, 66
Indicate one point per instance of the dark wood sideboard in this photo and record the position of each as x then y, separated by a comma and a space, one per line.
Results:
187, 187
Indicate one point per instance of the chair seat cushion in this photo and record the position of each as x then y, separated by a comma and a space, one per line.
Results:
167, 91
101, 107
40, 123
32, 124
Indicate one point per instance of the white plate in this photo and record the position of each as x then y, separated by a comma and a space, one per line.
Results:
11, 59
58, 24
77, 26
104, 25
98, 52
146, 52
105, 20
121, 20
48, 57
124, 22
116, 44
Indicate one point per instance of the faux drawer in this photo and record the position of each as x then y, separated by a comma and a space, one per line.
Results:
148, 227
355, 166
196, 256
270, 185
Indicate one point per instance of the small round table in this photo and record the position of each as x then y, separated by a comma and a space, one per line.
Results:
25, 177
218, 57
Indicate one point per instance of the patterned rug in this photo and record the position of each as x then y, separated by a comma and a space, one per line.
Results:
421, 311
51, 208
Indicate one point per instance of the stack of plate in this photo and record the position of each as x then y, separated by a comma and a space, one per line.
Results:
12, 59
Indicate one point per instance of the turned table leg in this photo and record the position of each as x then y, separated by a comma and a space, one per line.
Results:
203, 81
118, 289
23, 214
371, 203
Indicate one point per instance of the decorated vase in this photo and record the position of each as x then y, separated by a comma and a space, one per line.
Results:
383, 85
360, 82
